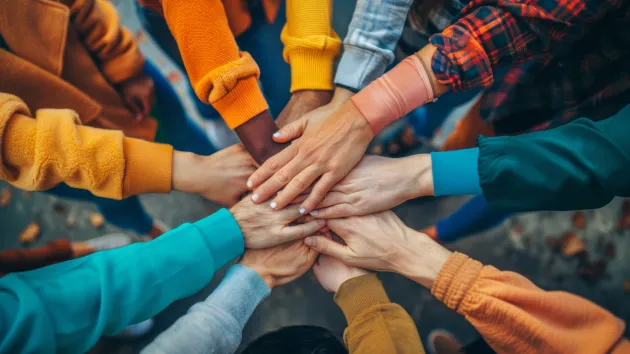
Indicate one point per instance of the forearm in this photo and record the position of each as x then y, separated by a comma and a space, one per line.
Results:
74, 303
216, 324
256, 135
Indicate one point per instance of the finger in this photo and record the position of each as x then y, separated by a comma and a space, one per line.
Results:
318, 193
296, 187
343, 210
291, 233
328, 247
271, 166
276, 183
146, 105
290, 131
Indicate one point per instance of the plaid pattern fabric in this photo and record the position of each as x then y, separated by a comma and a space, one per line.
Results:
569, 58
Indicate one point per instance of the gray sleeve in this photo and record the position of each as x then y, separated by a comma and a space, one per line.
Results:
216, 324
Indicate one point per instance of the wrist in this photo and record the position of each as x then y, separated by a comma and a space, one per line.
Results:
262, 272
419, 176
184, 171
342, 95
421, 258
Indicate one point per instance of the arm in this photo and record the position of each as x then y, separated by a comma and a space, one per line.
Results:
514, 315
375, 324
575, 166
216, 324
113, 45
68, 306
373, 34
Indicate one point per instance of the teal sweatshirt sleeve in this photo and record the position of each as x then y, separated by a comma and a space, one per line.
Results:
580, 165
65, 308
455, 172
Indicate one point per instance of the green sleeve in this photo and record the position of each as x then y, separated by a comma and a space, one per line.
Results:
580, 165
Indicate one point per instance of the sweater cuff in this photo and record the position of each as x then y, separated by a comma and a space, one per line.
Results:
359, 67
456, 172
242, 103
455, 279
223, 237
148, 167
357, 294
311, 70
239, 293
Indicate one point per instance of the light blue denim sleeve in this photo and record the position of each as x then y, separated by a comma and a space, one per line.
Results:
67, 307
373, 34
216, 324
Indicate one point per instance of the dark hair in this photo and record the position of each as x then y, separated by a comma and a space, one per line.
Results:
423, 8
297, 340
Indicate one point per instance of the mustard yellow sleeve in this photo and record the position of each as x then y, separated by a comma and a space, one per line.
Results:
310, 44
113, 45
515, 316
375, 325
38, 154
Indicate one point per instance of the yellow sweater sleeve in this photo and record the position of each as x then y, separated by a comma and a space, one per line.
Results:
375, 325
310, 44
515, 316
38, 154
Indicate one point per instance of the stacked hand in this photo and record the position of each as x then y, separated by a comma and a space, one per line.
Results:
331, 272
137, 93
301, 103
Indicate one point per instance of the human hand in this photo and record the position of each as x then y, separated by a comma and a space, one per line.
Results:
378, 184
263, 227
328, 148
302, 102
138, 94
331, 272
382, 242
220, 177
281, 264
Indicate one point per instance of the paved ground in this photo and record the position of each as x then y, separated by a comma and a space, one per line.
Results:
521, 245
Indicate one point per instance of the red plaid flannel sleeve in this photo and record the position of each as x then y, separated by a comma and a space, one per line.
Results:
492, 32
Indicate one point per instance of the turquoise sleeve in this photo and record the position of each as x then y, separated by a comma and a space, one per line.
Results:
455, 172
66, 307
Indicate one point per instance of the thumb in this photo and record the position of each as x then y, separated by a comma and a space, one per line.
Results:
328, 247
291, 131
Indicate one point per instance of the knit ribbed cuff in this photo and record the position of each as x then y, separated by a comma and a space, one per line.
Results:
242, 103
148, 167
455, 279
223, 237
359, 293
311, 69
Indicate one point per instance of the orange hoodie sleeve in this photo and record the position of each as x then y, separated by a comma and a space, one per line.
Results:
515, 316
101, 32
375, 324
38, 154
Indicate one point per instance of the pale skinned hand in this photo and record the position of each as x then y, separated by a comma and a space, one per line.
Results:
331, 272
378, 184
138, 94
382, 242
263, 227
302, 102
220, 177
281, 264
328, 147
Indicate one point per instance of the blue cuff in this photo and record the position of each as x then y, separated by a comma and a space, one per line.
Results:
456, 172
359, 67
223, 237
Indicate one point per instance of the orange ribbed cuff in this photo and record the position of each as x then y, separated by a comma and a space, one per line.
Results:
311, 69
148, 167
455, 279
242, 103
357, 294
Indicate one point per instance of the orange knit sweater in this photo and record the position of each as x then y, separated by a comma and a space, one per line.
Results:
515, 316
227, 78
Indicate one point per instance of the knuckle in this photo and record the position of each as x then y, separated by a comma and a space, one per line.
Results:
299, 184
282, 176
273, 163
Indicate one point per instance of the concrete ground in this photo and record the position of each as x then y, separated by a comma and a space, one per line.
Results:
521, 244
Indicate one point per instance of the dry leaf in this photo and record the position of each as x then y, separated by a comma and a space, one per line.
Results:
30, 234
626, 285
571, 244
97, 220
579, 220
5, 197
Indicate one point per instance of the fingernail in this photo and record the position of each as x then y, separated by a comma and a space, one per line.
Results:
276, 134
315, 212
250, 184
302, 210
273, 205
321, 222
278, 192
309, 242
255, 197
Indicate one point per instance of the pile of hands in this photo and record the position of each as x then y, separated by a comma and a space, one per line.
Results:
320, 203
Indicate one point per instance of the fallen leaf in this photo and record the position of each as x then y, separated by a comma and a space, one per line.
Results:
579, 220
5, 197
30, 234
97, 220
571, 244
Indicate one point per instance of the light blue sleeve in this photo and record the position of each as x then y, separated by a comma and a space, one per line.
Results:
65, 308
456, 172
215, 325
373, 34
